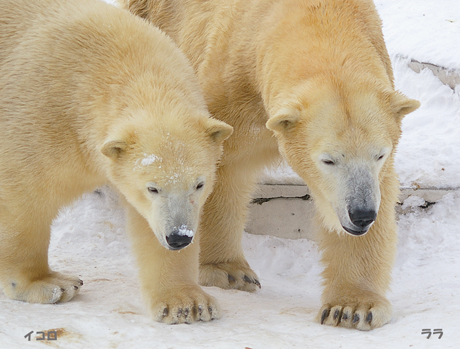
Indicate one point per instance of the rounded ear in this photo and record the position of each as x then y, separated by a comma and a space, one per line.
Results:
114, 149
402, 105
218, 130
284, 119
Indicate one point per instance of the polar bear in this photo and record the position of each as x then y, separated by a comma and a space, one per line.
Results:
311, 80
90, 94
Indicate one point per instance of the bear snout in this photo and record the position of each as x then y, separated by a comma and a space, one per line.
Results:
362, 219
178, 242
179, 238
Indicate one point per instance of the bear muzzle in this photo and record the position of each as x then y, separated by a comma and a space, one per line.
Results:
361, 220
179, 238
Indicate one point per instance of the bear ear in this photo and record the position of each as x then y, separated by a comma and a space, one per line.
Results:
402, 105
219, 131
114, 149
284, 120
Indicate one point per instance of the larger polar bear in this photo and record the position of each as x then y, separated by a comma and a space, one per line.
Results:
91, 94
312, 80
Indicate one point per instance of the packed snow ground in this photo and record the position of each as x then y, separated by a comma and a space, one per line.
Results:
88, 240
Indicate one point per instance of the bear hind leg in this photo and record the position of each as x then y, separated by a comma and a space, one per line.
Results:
222, 261
230, 275
53, 288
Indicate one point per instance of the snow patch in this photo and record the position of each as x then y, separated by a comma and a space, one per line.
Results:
147, 161
150, 159
185, 231
413, 201
427, 31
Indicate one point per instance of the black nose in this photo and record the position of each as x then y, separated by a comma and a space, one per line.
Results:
362, 218
178, 241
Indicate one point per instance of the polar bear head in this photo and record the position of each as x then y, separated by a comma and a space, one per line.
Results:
341, 141
166, 170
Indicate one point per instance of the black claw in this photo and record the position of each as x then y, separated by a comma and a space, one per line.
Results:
186, 312
81, 282
345, 316
336, 314
369, 317
251, 281
210, 311
62, 289
179, 312
165, 312
75, 288
231, 279
325, 315
355, 319
200, 310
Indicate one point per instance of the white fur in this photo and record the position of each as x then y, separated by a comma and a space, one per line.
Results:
89, 93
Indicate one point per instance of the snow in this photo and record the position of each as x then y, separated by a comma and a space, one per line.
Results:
185, 231
147, 161
425, 30
150, 159
430, 140
88, 240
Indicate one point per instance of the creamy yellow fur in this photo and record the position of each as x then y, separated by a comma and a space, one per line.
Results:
90, 94
317, 74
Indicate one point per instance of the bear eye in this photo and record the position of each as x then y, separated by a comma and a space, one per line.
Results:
199, 186
383, 153
153, 190
328, 162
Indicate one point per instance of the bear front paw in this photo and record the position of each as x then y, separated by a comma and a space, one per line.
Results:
184, 305
363, 315
231, 275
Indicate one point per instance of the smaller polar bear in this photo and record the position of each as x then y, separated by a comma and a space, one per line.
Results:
90, 94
